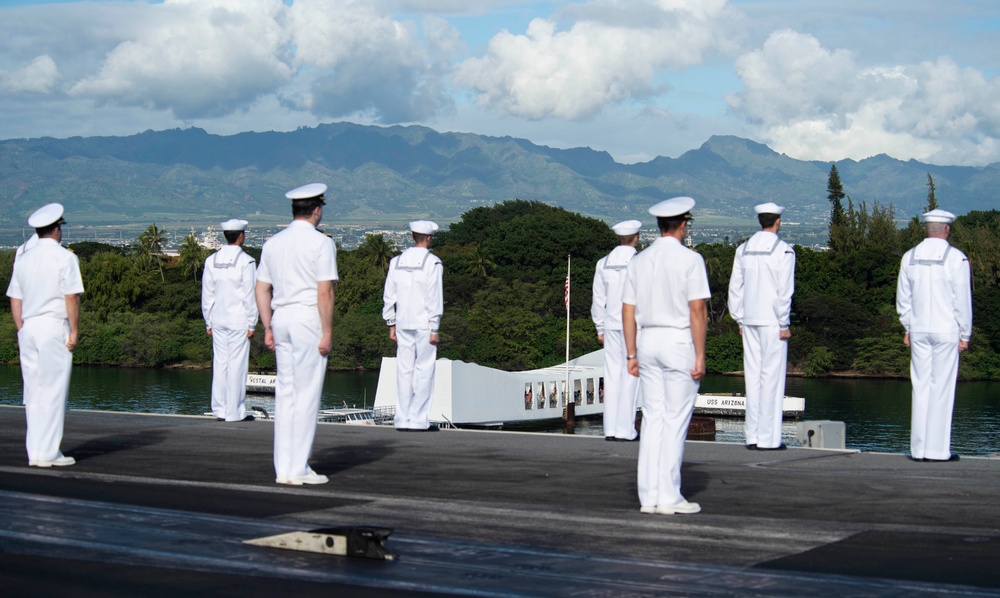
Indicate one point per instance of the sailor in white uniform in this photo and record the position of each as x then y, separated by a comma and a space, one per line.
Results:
934, 302
760, 300
412, 306
620, 388
44, 293
230, 311
664, 319
295, 297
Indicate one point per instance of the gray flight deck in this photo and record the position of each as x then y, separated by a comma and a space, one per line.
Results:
160, 506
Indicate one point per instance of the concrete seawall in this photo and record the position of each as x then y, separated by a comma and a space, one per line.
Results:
159, 505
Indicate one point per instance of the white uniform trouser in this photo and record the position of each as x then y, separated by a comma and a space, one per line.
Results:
933, 372
297, 390
45, 368
765, 360
415, 358
666, 358
620, 388
230, 361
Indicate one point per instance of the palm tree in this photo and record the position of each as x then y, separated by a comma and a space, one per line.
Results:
378, 252
192, 256
150, 245
480, 265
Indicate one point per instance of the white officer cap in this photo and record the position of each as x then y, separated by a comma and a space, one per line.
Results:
46, 215
310, 191
424, 227
626, 228
939, 216
675, 206
235, 224
768, 208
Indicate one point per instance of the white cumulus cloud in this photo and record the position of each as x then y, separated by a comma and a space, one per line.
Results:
197, 58
38, 77
612, 53
811, 102
367, 61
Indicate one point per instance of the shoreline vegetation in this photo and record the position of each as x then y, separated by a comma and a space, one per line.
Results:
847, 374
505, 270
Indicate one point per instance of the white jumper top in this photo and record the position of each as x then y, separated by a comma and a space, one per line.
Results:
227, 299
762, 282
413, 298
609, 284
933, 293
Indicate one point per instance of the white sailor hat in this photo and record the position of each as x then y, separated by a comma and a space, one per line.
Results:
938, 216
46, 215
235, 224
424, 227
768, 208
310, 191
626, 228
675, 206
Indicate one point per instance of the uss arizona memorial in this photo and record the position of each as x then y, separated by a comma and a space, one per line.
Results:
471, 394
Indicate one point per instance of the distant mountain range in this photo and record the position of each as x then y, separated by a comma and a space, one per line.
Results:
390, 174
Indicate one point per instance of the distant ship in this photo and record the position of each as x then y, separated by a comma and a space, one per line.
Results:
209, 240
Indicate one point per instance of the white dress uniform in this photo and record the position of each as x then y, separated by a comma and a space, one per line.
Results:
621, 389
760, 300
31, 242
661, 282
230, 312
934, 302
293, 262
42, 279
413, 302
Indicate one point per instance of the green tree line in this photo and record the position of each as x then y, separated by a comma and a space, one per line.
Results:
505, 268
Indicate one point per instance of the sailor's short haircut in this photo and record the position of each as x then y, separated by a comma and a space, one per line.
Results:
668, 224
305, 207
231, 235
47, 230
933, 228
767, 220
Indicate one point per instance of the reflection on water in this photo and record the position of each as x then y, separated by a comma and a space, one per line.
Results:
174, 391
876, 412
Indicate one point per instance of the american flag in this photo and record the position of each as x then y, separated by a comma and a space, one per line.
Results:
566, 295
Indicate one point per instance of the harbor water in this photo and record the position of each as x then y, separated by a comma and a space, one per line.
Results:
876, 412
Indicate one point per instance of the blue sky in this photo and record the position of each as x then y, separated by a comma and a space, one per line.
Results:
814, 79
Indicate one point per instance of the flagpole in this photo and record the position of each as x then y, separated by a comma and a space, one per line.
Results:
568, 271
570, 406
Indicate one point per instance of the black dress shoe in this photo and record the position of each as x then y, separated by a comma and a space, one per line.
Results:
953, 457
780, 447
248, 418
610, 439
751, 447
430, 428
912, 458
